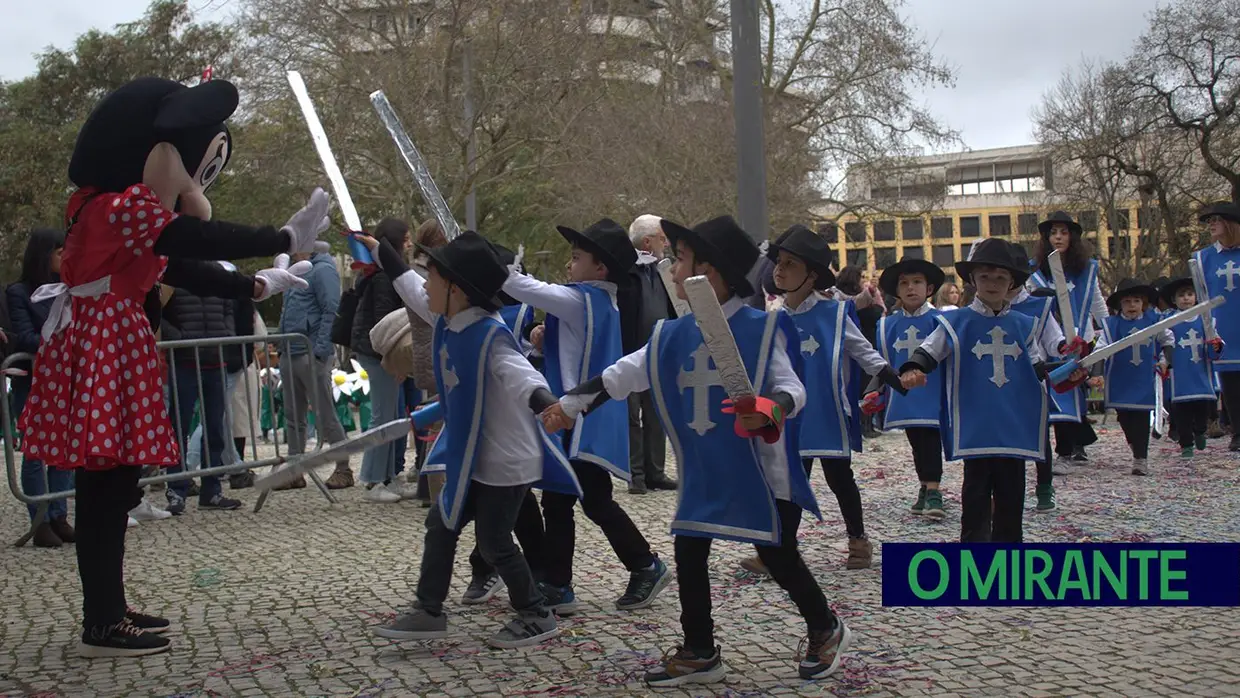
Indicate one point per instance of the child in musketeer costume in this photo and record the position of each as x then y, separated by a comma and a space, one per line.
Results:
495, 450
1130, 375
740, 476
913, 282
834, 353
1062, 234
582, 337
142, 162
1190, 385
1220, 265
995, 408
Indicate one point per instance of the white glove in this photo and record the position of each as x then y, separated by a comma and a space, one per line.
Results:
309, 223
281, 277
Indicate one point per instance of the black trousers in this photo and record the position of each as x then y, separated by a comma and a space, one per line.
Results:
840, 479
1046, 475
1065, 437
927, 446
1136, 426
785, 564
529, 531
1230, 382
1000, 481
647, 442
104, 498
1192, 418
599, 506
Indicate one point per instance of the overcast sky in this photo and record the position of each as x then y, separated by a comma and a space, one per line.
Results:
1006, 52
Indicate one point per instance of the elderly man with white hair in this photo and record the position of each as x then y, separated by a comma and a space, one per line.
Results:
647, 443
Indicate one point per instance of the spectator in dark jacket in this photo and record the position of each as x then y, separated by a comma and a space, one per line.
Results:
377, 298
649, 304
40, 265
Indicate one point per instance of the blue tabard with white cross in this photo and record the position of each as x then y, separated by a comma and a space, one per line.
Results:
899, 335
1081, 290
723, 487
831, 420
602, 437
1192, 371
1064, 407
460, 361
1128, 380
518, 317
1221, 267
995, 404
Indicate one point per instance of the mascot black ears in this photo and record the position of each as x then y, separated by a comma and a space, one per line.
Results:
160, 133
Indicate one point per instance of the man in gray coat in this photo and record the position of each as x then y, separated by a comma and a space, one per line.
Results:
311, 312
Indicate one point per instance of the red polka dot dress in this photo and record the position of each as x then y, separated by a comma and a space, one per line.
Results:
97, 397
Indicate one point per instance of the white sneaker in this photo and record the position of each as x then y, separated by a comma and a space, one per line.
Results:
132, 522
147, 511
402, 490
379, 494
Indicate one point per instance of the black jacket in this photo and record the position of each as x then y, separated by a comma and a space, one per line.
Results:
5, 327
643, 302
211, 316
378, 298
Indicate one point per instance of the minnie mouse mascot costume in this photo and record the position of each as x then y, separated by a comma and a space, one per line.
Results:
142, 162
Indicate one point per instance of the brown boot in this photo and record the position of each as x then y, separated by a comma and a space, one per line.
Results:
341, 479
63, 530
860, 554
45, 537
297, 484
754, 564
1214, 430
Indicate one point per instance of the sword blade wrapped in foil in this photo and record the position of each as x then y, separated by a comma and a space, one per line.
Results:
1145, 335
717, 336
1199, 287
1063, 295
665, 273
413, 159
300, 465
330, 167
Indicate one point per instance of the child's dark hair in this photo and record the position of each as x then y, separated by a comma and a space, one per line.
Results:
394, 230
849, 280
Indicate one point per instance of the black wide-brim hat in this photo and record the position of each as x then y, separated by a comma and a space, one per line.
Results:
473, 264
608, 242
1132, 287
113, 145
993, 252
889, 281
1059, 217
1169, 289
722, 243
810, 248
1222, 209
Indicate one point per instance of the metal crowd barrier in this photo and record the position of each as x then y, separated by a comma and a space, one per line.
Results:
211, 352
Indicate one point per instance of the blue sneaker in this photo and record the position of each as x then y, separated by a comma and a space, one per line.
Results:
644, 586
559, 600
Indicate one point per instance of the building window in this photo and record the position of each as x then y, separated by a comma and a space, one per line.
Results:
970, 227
884, 230
914, 252
854, 231
941, 227
944, 255
1118, 245
1027, 223
1121, 222
910, 228
884, 257
1000, 225
858, 258
1088, 220
1146, 218
829, 232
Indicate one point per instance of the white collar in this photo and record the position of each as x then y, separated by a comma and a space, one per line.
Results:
980, 307
925, 308
468, 316
731, 305
644, 257
810, 301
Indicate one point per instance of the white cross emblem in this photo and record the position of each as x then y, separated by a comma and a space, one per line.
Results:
1071, 286
700, 380
910, 342
450, 380
1136, 348
1229, 272
1192, 341
809, 346
997, 351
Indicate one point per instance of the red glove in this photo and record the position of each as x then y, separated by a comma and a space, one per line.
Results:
763, 406
1216, 345
1162, 370
1077, 346
873, 403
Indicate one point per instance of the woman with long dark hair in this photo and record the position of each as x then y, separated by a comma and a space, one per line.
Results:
1059, 233
40, 265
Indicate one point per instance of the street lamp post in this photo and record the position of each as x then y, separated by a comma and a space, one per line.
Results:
748, 119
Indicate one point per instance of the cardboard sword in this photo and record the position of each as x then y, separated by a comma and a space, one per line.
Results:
300, 465
1059, 376
1199, 286
1062, 295
665, 273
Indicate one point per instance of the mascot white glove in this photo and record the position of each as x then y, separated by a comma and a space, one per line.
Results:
281, 277
309, 223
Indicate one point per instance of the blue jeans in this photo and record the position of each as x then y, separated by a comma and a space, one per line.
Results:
213, 399
32, 469
409, 397
379, 463
193, 448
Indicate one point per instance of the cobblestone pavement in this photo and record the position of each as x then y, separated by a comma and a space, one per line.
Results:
278, 603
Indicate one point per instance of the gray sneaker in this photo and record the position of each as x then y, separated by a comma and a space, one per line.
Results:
526, 630
481, 589
415, 625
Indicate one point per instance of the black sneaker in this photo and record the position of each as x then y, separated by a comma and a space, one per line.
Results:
176, 503
663, 483
1235, 443
821, 652
481, 589
1078, 455
193, 490
559, 600
644, 586
240, 481
681, 666
121, 640
220, 502
150, 624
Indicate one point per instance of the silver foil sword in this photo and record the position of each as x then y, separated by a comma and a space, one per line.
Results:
665, 274
1063, 295
1199, 285
717, 336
